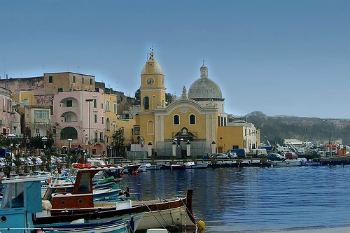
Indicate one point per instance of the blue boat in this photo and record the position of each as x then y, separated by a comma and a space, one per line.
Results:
21, 211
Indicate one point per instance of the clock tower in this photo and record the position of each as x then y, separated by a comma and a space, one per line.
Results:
152, 85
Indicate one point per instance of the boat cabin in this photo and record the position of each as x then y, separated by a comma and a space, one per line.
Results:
22, 199
81, 195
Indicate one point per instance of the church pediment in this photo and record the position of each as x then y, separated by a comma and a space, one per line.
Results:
184, 106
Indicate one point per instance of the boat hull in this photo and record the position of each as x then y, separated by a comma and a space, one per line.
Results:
102, 227
178, 217
154, 210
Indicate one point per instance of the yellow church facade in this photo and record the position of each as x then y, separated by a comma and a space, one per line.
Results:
193, 124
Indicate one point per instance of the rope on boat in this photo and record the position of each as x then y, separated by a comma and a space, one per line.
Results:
155, 216
191, 214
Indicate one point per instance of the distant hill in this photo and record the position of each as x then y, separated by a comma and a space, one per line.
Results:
276, 128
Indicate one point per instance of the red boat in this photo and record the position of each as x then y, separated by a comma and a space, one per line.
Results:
79, 204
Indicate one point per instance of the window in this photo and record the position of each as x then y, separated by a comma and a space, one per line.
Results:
15, 196
95, 116
50, 79
107, 106
176, 120
73, 79
101, 136
82, 80
85, 183
146, 102
41, 114
95, 103
103, 120
96, 135
218, 120
69, 103
108, 124
60, 89
136, 130
192, 119
25, 102
90, 81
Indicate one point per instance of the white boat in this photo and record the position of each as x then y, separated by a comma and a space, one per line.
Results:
143, 167
193, 165
289, 163
154, 167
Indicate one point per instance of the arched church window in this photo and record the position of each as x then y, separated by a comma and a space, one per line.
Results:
176, 120
192, 119
146, 102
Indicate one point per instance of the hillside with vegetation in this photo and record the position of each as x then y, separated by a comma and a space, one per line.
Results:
276, 128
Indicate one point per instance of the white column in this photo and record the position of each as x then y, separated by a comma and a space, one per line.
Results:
174, 149
149, 148
188, 149
213, 147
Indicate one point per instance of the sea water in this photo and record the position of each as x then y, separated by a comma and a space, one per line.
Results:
301, 199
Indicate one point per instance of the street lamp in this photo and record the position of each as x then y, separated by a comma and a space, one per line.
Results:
69, 144
8, 170
89, 102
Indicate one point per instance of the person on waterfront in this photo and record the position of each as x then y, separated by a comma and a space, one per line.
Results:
127, 192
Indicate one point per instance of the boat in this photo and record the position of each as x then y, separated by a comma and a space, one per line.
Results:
177, 166
154, 167
21, 211
131, 169
193, 165
156, 213
143, 167
289, 163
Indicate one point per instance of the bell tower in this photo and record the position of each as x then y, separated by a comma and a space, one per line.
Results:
152, 89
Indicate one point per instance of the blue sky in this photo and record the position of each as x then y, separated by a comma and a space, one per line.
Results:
275, 56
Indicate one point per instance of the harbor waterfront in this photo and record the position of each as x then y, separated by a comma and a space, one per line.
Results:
252, 199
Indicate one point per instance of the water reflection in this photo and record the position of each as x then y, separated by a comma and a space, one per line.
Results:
248, 199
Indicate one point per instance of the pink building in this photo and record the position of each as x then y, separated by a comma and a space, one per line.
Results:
9, 119
79, 120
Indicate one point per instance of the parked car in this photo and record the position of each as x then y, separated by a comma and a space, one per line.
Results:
2, 162
38, 161
220, 156
232, 155
275, 157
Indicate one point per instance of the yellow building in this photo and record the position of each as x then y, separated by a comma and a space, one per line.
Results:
194, 124
110, 106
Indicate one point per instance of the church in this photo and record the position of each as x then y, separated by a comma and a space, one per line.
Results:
194, 124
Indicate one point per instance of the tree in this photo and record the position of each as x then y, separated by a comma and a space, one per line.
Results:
118, 141
138, 96
168, 98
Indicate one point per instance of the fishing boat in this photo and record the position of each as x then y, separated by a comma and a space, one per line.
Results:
156, 213
21, 211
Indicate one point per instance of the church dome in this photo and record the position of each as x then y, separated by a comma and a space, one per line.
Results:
152, 66
204, 88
